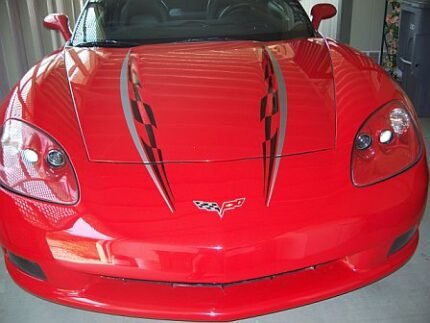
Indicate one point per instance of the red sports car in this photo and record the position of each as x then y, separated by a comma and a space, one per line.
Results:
206, 160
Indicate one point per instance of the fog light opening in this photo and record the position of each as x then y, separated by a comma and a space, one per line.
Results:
26, 266
402, 241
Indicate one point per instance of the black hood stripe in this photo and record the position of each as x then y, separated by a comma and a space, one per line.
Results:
141, 127
273, 110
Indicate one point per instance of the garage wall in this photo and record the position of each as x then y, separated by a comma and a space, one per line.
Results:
23, 39
366, 24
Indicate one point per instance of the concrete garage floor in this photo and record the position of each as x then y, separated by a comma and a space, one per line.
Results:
403, 297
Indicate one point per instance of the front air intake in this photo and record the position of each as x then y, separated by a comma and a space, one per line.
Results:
402, 241
27, 266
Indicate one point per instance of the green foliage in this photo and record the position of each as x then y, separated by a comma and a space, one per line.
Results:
392, 27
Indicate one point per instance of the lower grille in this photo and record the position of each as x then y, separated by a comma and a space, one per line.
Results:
214, 285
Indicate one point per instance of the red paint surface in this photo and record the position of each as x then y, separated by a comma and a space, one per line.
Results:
205, 97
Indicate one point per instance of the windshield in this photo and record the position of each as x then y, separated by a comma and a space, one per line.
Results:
111, 23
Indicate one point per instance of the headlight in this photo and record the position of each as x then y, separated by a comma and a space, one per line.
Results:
386, 145
34, 165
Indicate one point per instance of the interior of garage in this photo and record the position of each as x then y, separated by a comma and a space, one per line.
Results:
403, 297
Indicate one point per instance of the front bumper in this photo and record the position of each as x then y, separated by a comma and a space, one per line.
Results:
217, 302
194, 266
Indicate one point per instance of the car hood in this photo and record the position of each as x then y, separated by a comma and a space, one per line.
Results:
209, 101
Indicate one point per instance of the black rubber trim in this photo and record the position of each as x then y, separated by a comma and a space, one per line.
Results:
27, 266
402, 241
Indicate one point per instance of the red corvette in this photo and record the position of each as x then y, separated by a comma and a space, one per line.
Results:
206, 160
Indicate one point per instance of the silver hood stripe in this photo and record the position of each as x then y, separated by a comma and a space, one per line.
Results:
125, 100
283, 110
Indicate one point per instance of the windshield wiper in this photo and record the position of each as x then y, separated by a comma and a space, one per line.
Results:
202, 39
194, 23
107, 43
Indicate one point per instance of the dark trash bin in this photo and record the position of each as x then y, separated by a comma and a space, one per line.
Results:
414, 53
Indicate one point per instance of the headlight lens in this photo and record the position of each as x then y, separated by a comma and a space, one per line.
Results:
34, 165
394, 145
400, 120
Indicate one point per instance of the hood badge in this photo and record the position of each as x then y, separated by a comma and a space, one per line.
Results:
214, 207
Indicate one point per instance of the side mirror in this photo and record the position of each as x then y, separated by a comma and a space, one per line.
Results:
321, 12
60, 22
